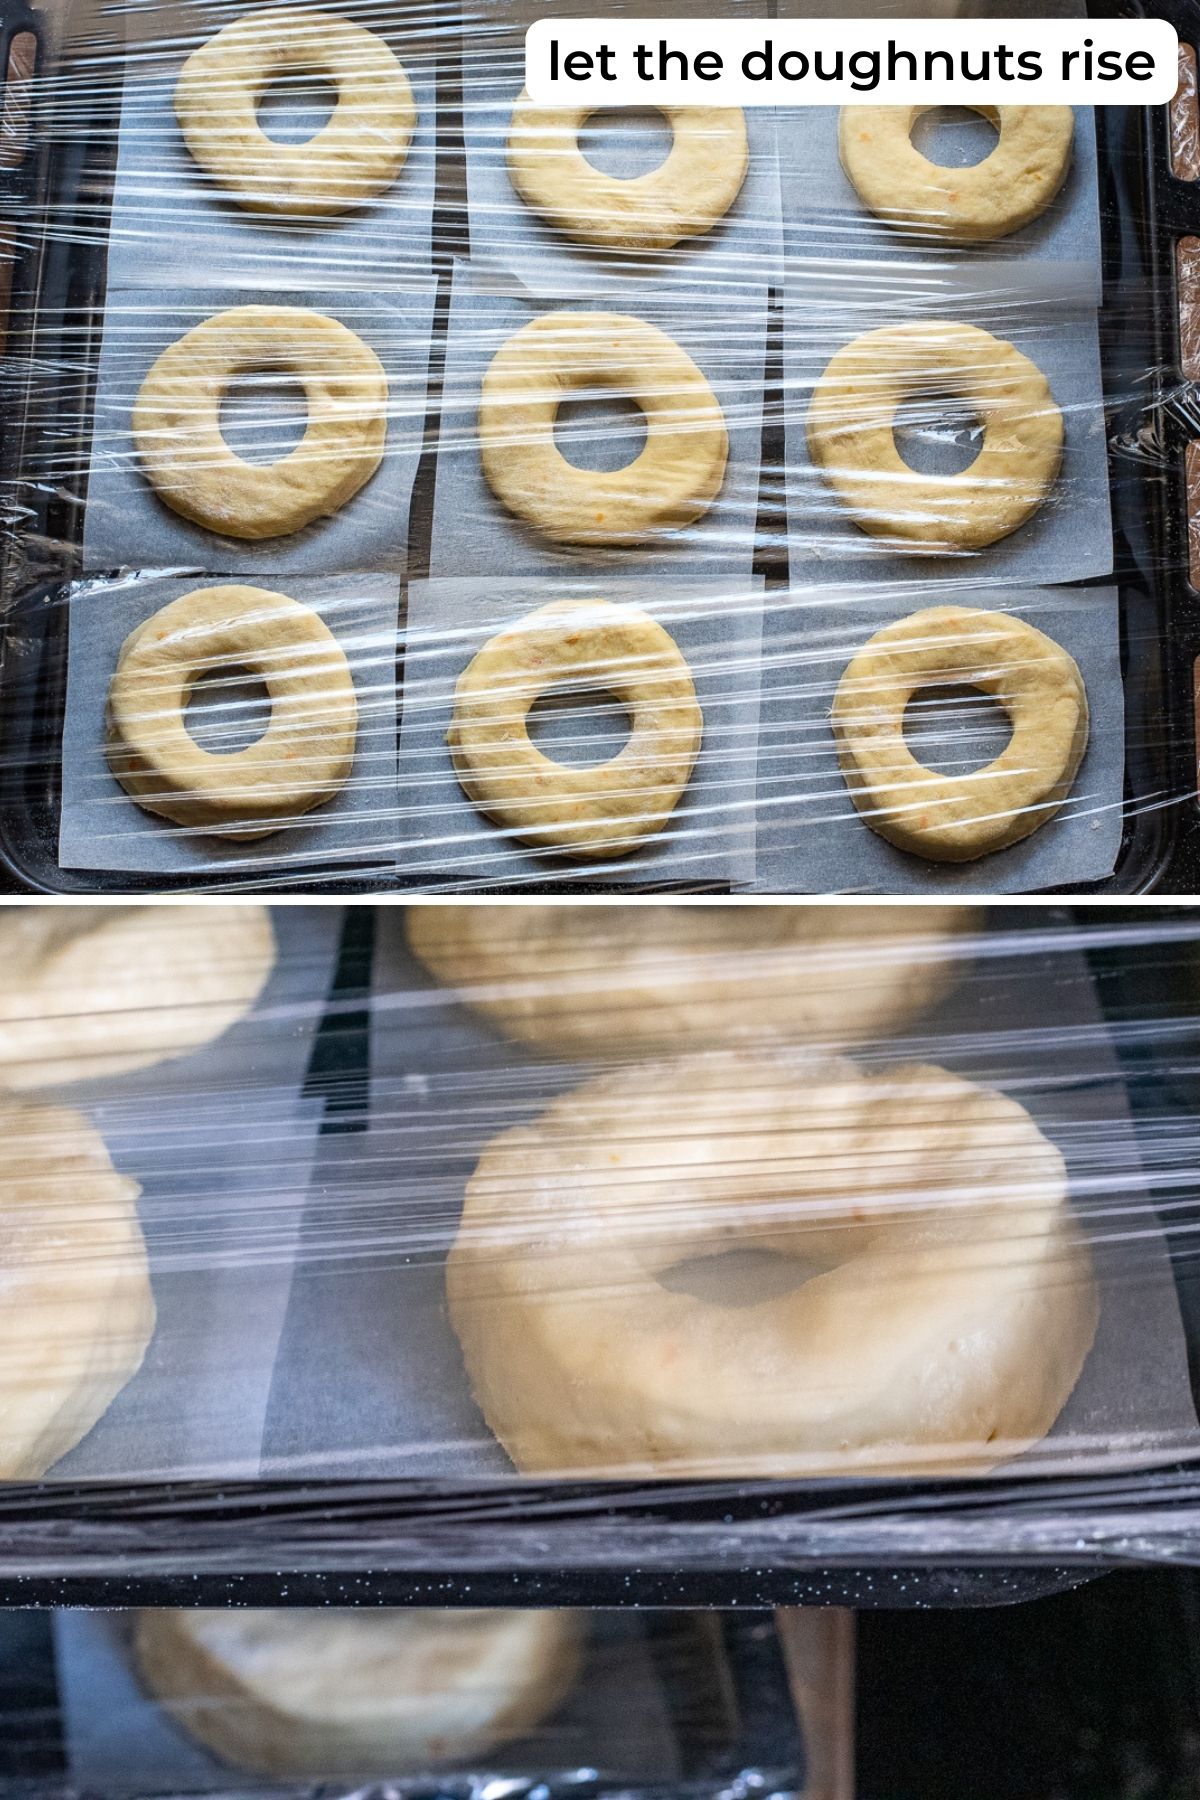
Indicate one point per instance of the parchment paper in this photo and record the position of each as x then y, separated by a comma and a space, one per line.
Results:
710, 835
174, 225
126, 525
1047, 316
119, 1741
101, 827
222, 1143
744, 250
824, 216
379, 1389
473, 534
810, 837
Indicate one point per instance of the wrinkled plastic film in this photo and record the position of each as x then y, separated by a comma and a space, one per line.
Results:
886, 1209
322, 566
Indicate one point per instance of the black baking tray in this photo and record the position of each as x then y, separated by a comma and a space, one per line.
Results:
62, 194
723, 1681
670, 1544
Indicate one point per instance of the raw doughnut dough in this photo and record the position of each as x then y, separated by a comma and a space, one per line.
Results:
342, 1693
670, 484
177, 421
693, 189
852, 417
78, 1311
599, 980
604, 810
304, 756
1009, 188
100, 990
945, 1302
955, 818
356, 155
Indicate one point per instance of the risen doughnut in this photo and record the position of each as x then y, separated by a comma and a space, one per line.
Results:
684, 198
851, 423
604, 810
955, 818
595, 980
356, 155
78, 1311
101, 990
945, 1302
1008, 189
339, 1693
670, 484
177, 421
302, 759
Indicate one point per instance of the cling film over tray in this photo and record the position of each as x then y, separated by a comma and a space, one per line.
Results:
895, 1198
408, 485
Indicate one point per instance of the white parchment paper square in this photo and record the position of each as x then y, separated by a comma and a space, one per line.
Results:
1025, 1018
710, 834
222, 1144
126, 525
824, 216
742, 250
812, 840
1047, 316
119, 1741
101, 827
473, 534
173, 224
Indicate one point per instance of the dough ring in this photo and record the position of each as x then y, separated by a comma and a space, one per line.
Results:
177, 421
623, 980
682, 464
693, 189
1007, 190
305, 754
604, 810
944, 1302
78, 1310
341, 1693
853, 414
354, 157
99, 990
955, 818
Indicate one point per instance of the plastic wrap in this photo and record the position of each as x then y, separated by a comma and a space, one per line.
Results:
421, 1701
612, 478
546, 1254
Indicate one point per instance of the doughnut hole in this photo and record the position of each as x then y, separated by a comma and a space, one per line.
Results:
937, 433
296, 106
737, 1278
580, 728
955, 729
625, 142
955, 137
600, 431
228, 710
263, 415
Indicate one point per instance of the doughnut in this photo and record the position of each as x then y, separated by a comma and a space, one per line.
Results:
177, 421
944, 1303
304, 756
338, 1692
78, 1309
102, 990
627, 980
687, 196
354, 157
674, 480
853, 414
956, 818
1008, 189
604, 810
